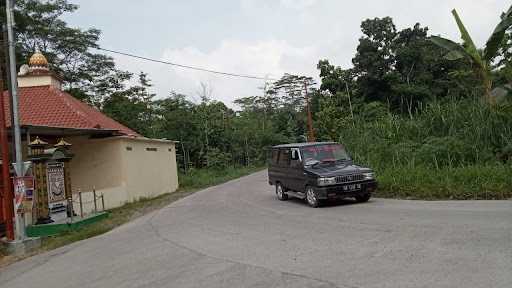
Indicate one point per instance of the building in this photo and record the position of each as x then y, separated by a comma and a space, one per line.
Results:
108, 157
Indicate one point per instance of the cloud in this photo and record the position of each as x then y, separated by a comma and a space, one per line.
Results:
298, 4
270, 59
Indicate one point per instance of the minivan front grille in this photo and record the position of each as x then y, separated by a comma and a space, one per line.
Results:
349, 178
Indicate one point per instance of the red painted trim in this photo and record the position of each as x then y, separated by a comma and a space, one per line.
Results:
7, 191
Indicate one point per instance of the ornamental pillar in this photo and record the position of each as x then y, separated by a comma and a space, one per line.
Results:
39, 158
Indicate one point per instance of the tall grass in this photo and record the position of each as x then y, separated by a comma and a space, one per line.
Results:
476, 182
456, 149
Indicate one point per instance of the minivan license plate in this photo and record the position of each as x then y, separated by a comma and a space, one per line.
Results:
352, 187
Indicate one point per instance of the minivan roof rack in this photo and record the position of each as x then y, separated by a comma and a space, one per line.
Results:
306, 144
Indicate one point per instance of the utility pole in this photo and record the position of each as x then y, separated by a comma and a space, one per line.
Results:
311, 132
9, 7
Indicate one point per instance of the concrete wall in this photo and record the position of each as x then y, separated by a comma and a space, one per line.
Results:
38, 80
122, 169
149, 168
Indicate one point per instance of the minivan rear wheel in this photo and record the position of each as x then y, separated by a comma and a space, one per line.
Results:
281, 195
311, 197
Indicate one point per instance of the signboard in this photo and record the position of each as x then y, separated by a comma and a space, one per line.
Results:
55, 178
23, 190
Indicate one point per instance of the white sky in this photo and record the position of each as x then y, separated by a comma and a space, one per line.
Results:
258, 37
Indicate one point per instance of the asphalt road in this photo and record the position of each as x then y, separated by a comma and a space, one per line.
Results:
239, 235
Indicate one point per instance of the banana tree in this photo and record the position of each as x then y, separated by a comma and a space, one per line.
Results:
482, 59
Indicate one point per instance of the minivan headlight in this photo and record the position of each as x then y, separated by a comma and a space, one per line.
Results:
369, 176
326, 181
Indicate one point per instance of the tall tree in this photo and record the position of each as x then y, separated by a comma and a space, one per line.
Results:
374, 59
297, 96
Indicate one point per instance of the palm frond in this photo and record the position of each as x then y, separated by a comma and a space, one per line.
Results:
493, 44
468, 43
455, 50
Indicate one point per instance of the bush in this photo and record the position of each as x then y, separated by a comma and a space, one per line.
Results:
218, 159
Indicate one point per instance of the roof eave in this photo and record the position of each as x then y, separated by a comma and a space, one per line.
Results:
66, 131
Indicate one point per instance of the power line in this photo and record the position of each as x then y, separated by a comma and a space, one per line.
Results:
187, 66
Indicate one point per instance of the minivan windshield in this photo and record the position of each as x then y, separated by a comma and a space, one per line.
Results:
324, 154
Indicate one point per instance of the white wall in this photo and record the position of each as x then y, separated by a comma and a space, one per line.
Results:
122, 169
149, 173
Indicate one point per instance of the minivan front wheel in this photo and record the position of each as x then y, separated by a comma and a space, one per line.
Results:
281, 195
363, 198
312, 198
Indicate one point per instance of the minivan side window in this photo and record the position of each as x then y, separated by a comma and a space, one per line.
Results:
275, 156
284, 157
296, 155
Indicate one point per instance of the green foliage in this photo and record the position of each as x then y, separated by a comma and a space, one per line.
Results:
217, 159
400, 69
453, 133
482, 62
496, 40
133, 107
87, 75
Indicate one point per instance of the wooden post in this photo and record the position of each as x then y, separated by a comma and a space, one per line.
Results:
94, 195
70, 208
81, 204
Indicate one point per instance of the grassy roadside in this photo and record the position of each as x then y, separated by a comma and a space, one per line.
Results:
194, 181
477, 182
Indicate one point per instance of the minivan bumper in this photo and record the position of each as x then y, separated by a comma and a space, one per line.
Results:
337, 192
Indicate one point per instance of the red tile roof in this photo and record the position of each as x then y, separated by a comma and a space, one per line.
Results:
50, 107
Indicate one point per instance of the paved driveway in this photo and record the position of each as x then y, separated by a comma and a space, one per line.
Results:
239, 235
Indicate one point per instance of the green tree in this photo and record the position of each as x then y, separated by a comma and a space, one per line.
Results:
292, 91
87, 75
133, 107
175, 120
374, 59
482, 60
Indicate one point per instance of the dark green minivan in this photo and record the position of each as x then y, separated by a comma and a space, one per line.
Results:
317, 172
